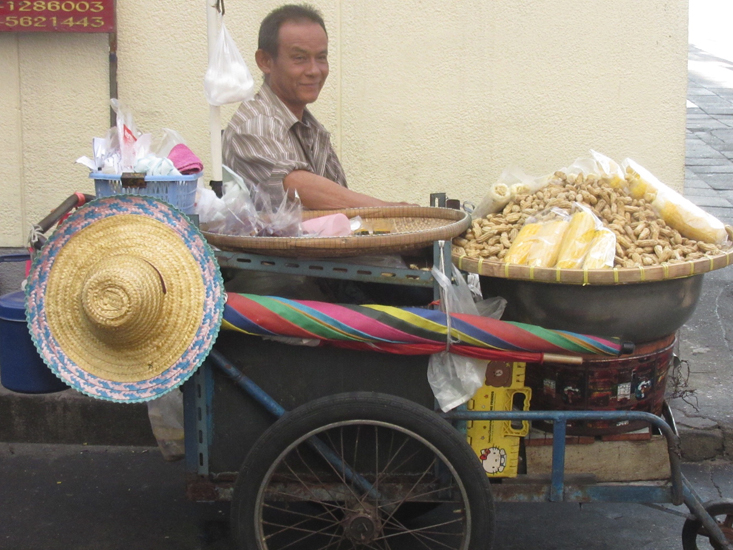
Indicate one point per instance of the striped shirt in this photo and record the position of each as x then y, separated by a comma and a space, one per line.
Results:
265, 141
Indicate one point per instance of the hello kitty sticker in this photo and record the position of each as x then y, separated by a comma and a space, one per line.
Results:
493, 460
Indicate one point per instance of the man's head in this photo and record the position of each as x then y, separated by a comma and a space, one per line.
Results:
293, 54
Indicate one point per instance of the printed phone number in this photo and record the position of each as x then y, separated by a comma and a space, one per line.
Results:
11, 21
94, 6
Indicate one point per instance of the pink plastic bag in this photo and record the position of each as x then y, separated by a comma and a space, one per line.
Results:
333, 225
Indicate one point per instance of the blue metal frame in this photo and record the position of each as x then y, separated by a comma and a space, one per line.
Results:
197, 400
560, 419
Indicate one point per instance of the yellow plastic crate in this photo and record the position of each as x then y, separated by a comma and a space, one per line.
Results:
497, 443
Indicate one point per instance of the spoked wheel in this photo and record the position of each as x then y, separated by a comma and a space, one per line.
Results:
696, 537
366, 471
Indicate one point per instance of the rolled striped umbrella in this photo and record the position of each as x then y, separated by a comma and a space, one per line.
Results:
408, 330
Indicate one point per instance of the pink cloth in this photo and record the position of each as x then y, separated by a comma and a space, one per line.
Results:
184, 160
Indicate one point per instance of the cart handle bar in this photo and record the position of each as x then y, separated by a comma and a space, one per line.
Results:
74, 201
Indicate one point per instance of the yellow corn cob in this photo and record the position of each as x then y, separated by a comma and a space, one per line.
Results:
602, 250
576, 241
689, 219
546, 244
517, 253
640, 188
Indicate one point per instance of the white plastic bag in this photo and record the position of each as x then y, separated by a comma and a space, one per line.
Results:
454, 379
127, 135
166, 420
513, 181
163, 144
227, 79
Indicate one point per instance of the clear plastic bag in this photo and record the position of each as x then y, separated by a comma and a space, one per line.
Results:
232, 214
677, 211
127, 135
454, 379
162, 145
166, 420
227, 79
283, 220
248, 211
241, 216
513, 181
602, 251
578, 237
538, 242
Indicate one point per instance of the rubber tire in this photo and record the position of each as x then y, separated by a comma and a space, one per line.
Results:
692, 526
357, 406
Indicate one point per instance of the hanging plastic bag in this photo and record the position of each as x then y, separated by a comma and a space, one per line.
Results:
166, 420
454, 379
227, 79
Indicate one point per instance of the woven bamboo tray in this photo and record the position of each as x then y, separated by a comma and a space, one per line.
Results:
415, 227
615, 276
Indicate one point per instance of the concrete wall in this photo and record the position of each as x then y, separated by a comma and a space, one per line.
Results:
424, 95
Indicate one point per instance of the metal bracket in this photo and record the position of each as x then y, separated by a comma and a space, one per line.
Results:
326, 269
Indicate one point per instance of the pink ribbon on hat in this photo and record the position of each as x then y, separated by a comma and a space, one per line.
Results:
184, 160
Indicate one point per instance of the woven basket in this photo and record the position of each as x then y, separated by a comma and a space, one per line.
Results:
415, 227
615, 276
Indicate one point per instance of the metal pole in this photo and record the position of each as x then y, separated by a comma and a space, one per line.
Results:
212, 27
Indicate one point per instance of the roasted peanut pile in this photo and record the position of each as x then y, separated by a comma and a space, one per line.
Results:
642, 237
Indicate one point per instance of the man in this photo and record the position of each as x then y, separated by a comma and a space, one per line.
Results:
273, 140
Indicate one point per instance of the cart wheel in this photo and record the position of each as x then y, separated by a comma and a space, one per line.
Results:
694, 535
288, 495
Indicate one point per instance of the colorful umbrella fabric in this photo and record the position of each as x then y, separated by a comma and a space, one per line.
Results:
407, 330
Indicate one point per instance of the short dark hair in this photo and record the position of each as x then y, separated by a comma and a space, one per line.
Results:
270, 26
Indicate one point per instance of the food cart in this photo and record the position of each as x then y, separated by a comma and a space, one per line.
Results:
344, 446
326, 447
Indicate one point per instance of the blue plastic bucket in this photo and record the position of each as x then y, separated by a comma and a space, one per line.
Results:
21, 368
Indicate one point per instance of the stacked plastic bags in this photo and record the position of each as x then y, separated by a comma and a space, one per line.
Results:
125, 149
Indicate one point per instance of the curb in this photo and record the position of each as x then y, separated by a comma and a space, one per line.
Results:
701, 438
69, 417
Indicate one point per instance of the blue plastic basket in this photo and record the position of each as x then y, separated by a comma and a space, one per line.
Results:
180, 191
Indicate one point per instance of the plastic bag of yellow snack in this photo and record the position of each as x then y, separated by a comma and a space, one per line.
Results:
517, 253
577, 238
677, 211
546, 243
601, 251
538, 242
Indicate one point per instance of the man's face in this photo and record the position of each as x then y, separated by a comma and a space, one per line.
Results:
301, 67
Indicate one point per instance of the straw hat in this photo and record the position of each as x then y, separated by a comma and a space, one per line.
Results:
125, 300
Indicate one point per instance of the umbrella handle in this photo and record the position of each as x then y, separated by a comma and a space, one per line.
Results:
565, 359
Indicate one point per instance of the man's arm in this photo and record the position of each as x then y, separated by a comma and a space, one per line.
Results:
319, 193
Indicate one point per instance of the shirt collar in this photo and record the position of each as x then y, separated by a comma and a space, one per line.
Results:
283, 111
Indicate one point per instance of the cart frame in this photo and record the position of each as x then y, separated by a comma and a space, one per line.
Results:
199, 395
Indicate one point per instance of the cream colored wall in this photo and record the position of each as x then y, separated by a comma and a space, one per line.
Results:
423, 96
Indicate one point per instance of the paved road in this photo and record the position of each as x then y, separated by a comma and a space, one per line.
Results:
706, 343
68, 497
